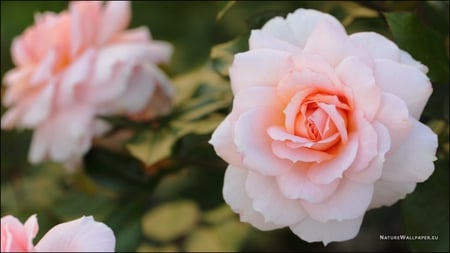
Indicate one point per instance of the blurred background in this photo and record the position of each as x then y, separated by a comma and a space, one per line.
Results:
170, 199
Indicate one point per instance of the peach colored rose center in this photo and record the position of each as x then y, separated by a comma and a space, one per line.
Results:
321, 118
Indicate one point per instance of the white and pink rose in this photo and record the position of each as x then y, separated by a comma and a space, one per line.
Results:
77, 65
324, 127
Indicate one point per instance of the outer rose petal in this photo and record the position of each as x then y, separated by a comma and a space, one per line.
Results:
261, 40
366, 94
314, 231
298, 26
270, 202
387, 193
235, 195
115, 18
258, 68
83, 234
378, 46
255, 144
406, 82
349, 201
224, 145
374, 169
295, 185
396, 121
341, 48
413, 160
60, 141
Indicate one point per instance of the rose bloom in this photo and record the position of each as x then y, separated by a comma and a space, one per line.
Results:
80, 235
324, 126
77, 65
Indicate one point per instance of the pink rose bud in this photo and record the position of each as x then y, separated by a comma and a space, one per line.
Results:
77, 65
324, 127
81, 235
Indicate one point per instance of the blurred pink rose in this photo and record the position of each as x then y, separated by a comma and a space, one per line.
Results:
81, 235
324, 126
74, 66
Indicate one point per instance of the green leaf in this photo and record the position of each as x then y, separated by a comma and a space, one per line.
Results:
225, 237
423, 43
170, 220
76, 204
153, 145
202, 126
125, 221
204, 240
218, 214
426, 211
113, 170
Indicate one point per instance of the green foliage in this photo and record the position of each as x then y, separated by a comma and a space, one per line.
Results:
169, 221
423, 43
426, 211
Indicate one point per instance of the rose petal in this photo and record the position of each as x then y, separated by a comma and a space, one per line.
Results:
378, 46
140, 87
387, 193
367, 139
406, 82
341, 48
300, 154
337, 119
32, 227
140, 34
84, 24
255, 144
374, 169
40, 108
295, 184
406, 58
349, 201
73, 139
305, 82
261, 40
261, 96
278, 28
320, 66
303, 22
413, 160
83, 234
314, 231
235, 195
222, 140
258, 68
76, 74
115, 18
396, 121
366, 94
16, 237
328, 171
44, 70
270, 202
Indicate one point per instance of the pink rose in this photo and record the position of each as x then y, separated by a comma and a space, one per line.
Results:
77, 65
324, 126
80, 235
